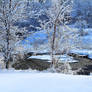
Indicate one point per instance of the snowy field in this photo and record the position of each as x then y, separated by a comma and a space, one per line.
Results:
33, 81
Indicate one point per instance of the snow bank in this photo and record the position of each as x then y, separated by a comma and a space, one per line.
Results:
44, 82
83, 52
61, 58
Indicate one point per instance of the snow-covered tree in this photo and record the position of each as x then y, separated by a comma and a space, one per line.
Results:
81, 25
10, 35
82, 9
61, 37
59, 16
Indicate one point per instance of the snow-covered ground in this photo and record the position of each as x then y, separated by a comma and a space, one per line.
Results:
21, 81
83, 52
63, 58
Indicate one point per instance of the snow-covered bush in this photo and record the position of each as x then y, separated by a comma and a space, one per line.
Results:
64, 68
2, 64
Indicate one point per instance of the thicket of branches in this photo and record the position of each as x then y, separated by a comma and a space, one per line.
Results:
61, 38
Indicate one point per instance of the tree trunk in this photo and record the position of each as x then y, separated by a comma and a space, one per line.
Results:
7, 25
7, 49
53, 46
7, 65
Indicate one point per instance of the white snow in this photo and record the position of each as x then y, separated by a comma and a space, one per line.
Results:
83, 52
43, 82
47, 57
61, 58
